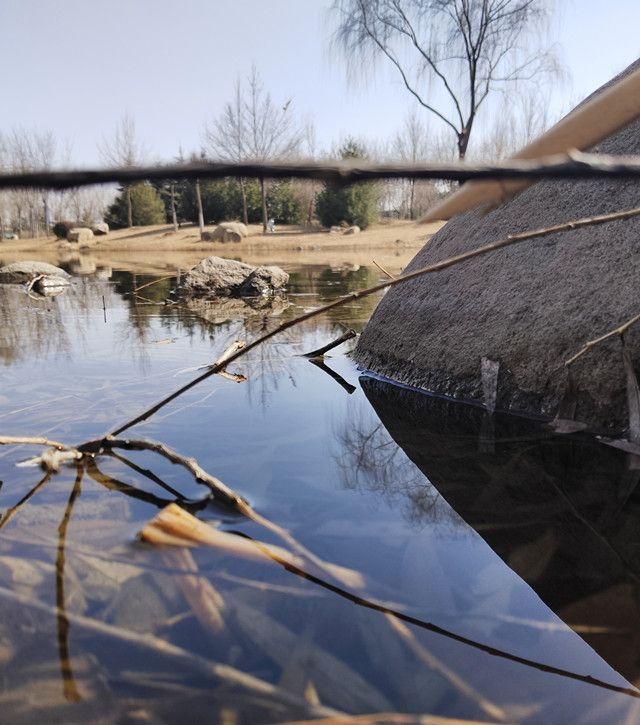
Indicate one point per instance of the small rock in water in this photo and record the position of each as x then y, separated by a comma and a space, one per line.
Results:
50, 286
21, 272
218, 277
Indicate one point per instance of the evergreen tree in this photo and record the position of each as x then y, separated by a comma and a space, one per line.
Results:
354, 204
146, 207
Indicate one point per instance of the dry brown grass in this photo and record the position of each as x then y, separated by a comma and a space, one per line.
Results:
397, 234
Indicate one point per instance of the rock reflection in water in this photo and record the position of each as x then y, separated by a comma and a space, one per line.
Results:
562, 512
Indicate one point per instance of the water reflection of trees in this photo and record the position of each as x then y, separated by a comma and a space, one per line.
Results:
33, 327
370, 460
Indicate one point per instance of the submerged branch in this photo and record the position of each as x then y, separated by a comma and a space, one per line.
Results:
226, 674
422, 653
177, 529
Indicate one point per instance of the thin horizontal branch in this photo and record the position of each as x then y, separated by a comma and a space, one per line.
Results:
560, 166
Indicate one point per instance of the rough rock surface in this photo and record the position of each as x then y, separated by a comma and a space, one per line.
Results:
263, 281
19, 272
80, 234
218, 277
528, 307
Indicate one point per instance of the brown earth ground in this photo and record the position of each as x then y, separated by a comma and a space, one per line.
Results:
391, 244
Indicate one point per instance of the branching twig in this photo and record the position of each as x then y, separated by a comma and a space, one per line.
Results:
612, 333
221, 491
333, 570
436, 267
348, 335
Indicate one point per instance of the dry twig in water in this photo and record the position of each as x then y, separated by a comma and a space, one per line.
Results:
349, 576
383, 270
423, 654
348, 335
226, 674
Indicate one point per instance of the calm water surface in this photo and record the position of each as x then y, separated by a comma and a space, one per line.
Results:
511, 556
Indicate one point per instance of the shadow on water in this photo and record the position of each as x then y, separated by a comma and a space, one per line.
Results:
562, 512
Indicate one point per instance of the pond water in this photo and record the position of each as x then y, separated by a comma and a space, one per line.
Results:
498, 564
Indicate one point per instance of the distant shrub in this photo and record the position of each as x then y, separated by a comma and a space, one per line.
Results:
60, 229
348, 205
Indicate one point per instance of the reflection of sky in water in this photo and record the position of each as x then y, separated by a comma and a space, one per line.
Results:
306, 454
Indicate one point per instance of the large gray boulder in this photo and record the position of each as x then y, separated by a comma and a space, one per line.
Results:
527, 308
215, 276
20, 272
218, 277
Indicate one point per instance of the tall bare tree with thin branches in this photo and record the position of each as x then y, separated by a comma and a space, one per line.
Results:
226, 138
123, 148
450, 54
253, 126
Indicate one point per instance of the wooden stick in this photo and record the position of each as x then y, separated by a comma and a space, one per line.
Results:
155, 281
556, 166
383, 270
436, 267
612, 333
34, 441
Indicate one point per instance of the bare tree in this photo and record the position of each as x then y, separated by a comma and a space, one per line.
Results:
514, 124
463, 48
411, 144
253, 126
123, 149
226, 138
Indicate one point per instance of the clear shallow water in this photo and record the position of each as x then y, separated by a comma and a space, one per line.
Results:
347, 469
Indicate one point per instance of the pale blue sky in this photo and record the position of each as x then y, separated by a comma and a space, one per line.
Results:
74, 66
